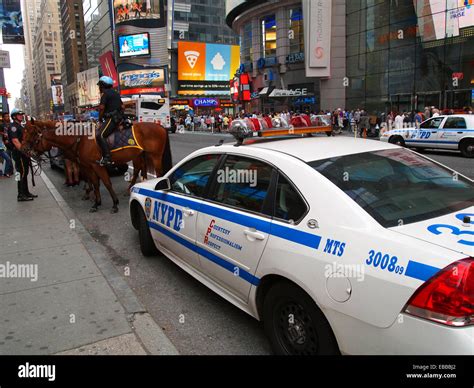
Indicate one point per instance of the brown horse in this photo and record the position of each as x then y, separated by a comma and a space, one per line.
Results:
43, 144
151, 140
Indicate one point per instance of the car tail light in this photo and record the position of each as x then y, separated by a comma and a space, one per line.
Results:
448, 297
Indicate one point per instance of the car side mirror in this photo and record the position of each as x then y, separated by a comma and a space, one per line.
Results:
163, 184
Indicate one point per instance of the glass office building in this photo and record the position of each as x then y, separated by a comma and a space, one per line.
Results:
407, 54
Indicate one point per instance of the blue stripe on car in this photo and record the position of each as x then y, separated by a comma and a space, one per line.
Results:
431, 141
245, 275
297, 236
420, 271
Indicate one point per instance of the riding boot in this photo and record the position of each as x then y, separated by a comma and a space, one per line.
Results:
106, 159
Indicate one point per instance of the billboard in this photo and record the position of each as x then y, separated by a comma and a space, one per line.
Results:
140, 13
438, 19
144, 81
89, 93
57, 92
317, 16
134, 45
107, 65
4, 59
205, 67
12, 22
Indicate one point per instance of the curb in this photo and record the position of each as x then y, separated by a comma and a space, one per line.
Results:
150, 334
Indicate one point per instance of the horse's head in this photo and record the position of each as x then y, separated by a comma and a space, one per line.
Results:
33, 141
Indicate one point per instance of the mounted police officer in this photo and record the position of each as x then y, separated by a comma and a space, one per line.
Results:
110, 114
22, 161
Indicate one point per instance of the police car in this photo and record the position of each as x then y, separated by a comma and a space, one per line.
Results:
338, 245
455, 132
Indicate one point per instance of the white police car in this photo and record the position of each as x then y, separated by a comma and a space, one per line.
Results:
455, 132
336, 244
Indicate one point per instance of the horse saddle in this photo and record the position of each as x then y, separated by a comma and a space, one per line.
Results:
123, 136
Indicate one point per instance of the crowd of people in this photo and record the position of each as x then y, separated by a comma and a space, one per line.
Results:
358, 120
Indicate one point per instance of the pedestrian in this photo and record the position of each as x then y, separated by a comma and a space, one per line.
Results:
427, 113
418, 119
137, 7
6, 159
399, 120
4, 128
148, 8
22, 161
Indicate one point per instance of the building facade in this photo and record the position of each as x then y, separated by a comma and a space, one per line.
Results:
31, 13
273, 49
47, 55
74, 47
98, 29
407, 55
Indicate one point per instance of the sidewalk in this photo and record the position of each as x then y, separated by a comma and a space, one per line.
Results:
59, 293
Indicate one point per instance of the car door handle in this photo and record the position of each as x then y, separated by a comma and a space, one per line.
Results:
254, 234
188, 212
460, 133
434, 131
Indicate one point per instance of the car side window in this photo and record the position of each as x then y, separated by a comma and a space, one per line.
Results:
433, 123
455, 123
192, 177
289, 205
243, 183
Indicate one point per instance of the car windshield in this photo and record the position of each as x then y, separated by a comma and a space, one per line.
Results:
398, 187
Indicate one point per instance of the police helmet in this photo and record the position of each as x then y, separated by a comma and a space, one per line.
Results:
16, 112
106, 81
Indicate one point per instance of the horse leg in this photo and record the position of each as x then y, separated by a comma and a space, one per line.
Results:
137, 166
104, 177
156, 160
94, 179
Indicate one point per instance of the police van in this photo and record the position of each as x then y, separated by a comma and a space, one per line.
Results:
332, 242
453, 132
149, 109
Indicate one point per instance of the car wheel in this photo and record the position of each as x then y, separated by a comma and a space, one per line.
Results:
294, 324
467, 148
147, 245
398, 140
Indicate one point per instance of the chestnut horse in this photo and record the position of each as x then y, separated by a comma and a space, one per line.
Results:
152, 140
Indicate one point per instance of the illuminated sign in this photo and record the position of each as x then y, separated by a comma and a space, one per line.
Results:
207, 67
143, 14
206, 102
146, 81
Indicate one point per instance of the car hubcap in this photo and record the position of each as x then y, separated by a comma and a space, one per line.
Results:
295, 330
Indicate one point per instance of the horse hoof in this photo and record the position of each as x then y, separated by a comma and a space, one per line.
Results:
93, 210
114, 210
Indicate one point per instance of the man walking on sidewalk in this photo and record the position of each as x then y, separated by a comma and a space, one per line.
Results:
22, 162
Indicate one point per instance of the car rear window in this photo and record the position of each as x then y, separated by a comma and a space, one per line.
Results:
398, 187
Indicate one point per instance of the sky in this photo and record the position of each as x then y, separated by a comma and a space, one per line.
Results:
14, 75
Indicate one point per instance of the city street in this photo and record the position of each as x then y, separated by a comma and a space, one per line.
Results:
194, 318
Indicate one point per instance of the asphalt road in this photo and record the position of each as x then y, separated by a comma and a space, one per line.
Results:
195, 319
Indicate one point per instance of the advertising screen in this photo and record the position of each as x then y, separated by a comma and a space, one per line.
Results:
57, 91
140, 13
206, 68
146, 81
12, 22
439, 19
134, 45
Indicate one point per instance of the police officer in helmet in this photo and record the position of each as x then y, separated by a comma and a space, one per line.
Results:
22, 161
110, 114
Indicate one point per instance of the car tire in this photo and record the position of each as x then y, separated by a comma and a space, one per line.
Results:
467, 148
294, 324
147, 245
398, 140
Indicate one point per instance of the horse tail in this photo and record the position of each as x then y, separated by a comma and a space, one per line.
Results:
166, 159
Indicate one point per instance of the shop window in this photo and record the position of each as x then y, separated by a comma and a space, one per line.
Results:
268, 29
296, 34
